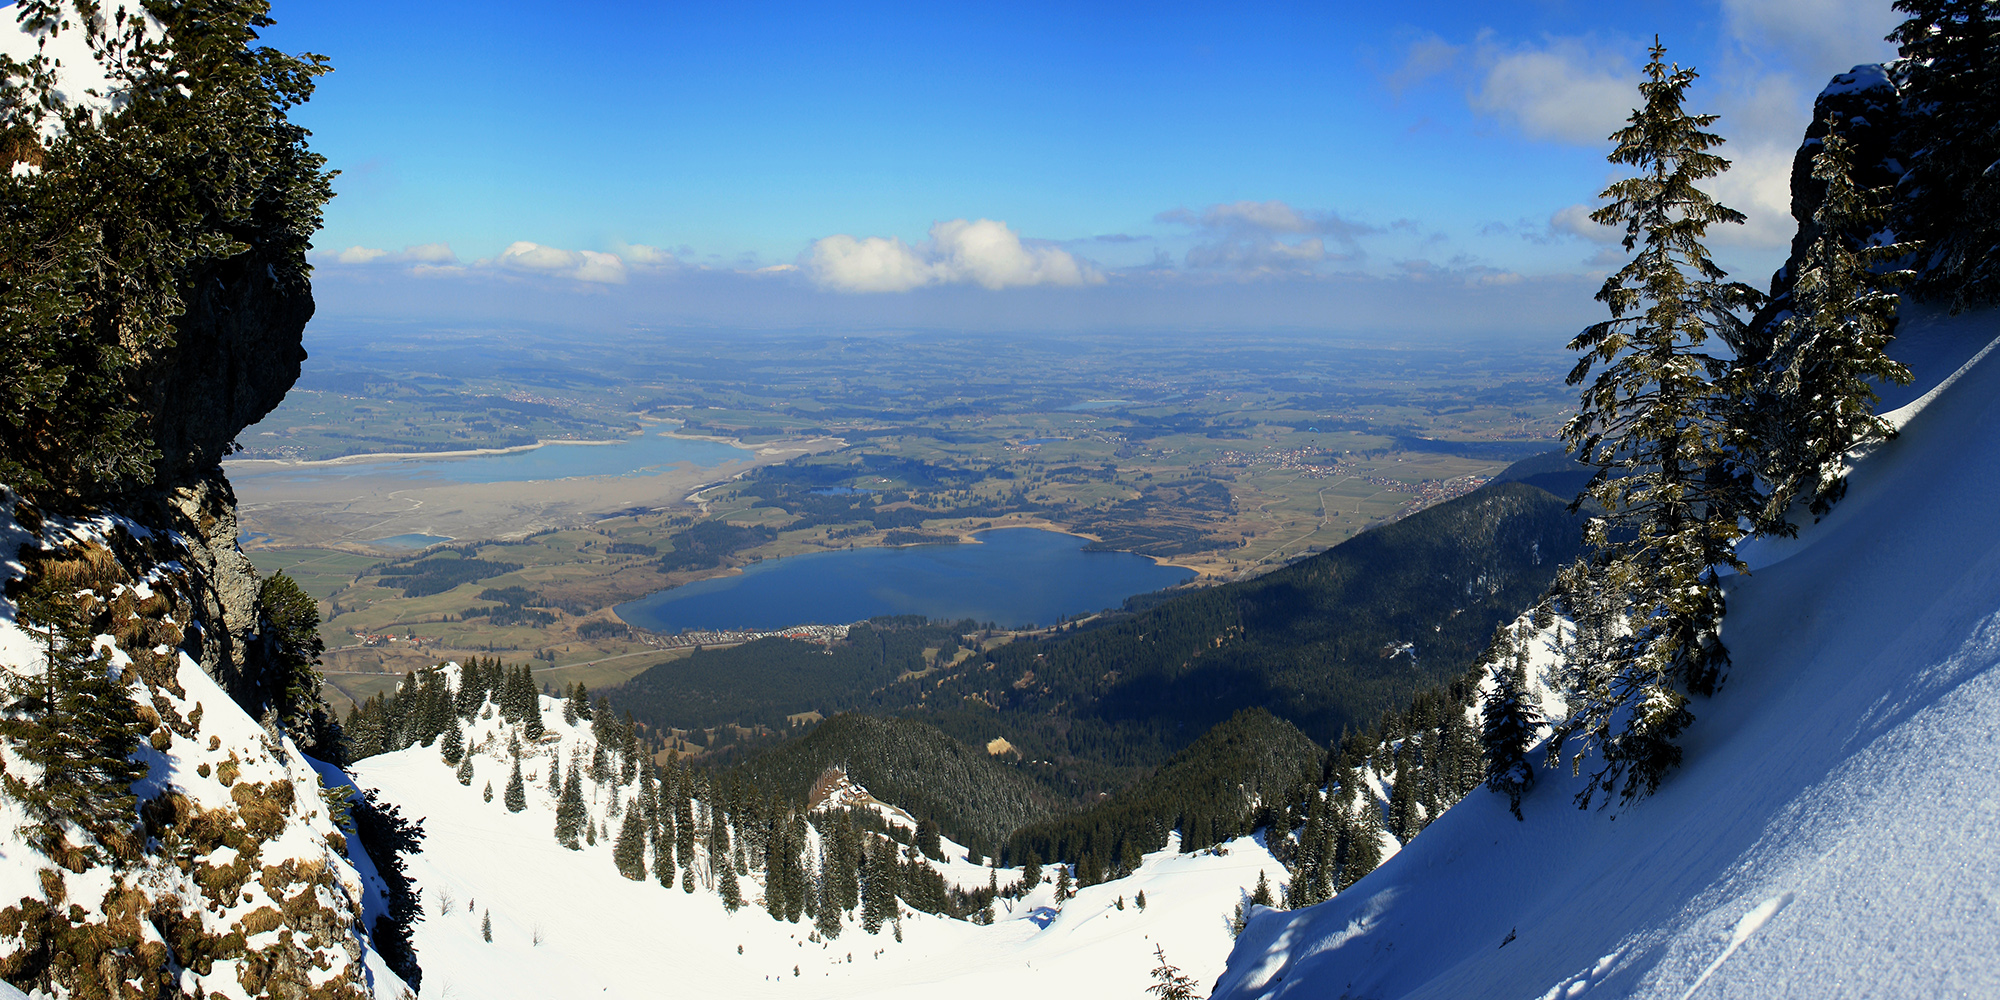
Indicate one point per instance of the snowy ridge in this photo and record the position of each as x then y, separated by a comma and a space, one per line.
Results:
240, 841
1830, 833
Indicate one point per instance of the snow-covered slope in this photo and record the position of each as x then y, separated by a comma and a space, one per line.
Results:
566, 923
237, 883
1833, 830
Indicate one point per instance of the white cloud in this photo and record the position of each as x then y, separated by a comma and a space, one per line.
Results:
1428, 56
641, 255
360, 255
981, 252
1265, 236
1758, 184
428, 253
1568, 89
582, 265
422, 254
1819, 37
1575, 221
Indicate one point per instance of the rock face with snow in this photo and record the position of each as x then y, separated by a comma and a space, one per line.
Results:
238, 880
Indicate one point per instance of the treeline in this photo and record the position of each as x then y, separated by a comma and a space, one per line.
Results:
437, 574
707, 544
973, 798
1234, 779
763, 682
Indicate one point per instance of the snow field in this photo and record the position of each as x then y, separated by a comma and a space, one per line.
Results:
565, 923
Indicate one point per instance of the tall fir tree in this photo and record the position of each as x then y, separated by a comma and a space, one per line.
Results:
517, 790
1949, 75
464, 772
571, 814
629, 853
1509, 725
1655, 422
76, 725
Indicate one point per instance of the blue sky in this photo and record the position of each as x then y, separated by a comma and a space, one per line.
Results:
1341, 167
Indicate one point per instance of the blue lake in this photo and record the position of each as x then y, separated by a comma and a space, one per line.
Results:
1014, 576
643, 455
411, 541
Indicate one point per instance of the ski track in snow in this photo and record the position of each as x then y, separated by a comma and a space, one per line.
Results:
1831, 833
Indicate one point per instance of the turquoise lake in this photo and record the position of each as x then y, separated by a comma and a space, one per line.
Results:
1013, 576
643, 455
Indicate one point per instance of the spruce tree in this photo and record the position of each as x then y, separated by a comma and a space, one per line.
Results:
1656, 424
663, 859
571, 815
827, 918
1809, 395
488, 794
486, 926
1949, 75
730, 890
630, 851
464, 773
1510, 721
453, 745
517, 790
1262, 895
1063, 890
76, 725
1364, 845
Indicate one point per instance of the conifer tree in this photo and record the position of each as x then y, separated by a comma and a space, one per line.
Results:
1510, 722
827, 918
464, 773
1364, 845
1169, 983
488, 794
77, 726
453, 745
731, 891
663, 858
1031, 871
630, 850
1655, 423
1262, 895
1949, 74
571, 816
517, 790
1063, 890
486, 926
1810, 393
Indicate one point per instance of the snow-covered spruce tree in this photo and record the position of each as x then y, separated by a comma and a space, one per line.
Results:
452, 747
1949, 74
1656, 424
464, 772
1808, 395
1509, 721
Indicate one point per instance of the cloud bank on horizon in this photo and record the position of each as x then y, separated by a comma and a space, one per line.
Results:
1444, 155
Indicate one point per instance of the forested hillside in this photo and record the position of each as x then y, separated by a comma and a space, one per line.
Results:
1328, 644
